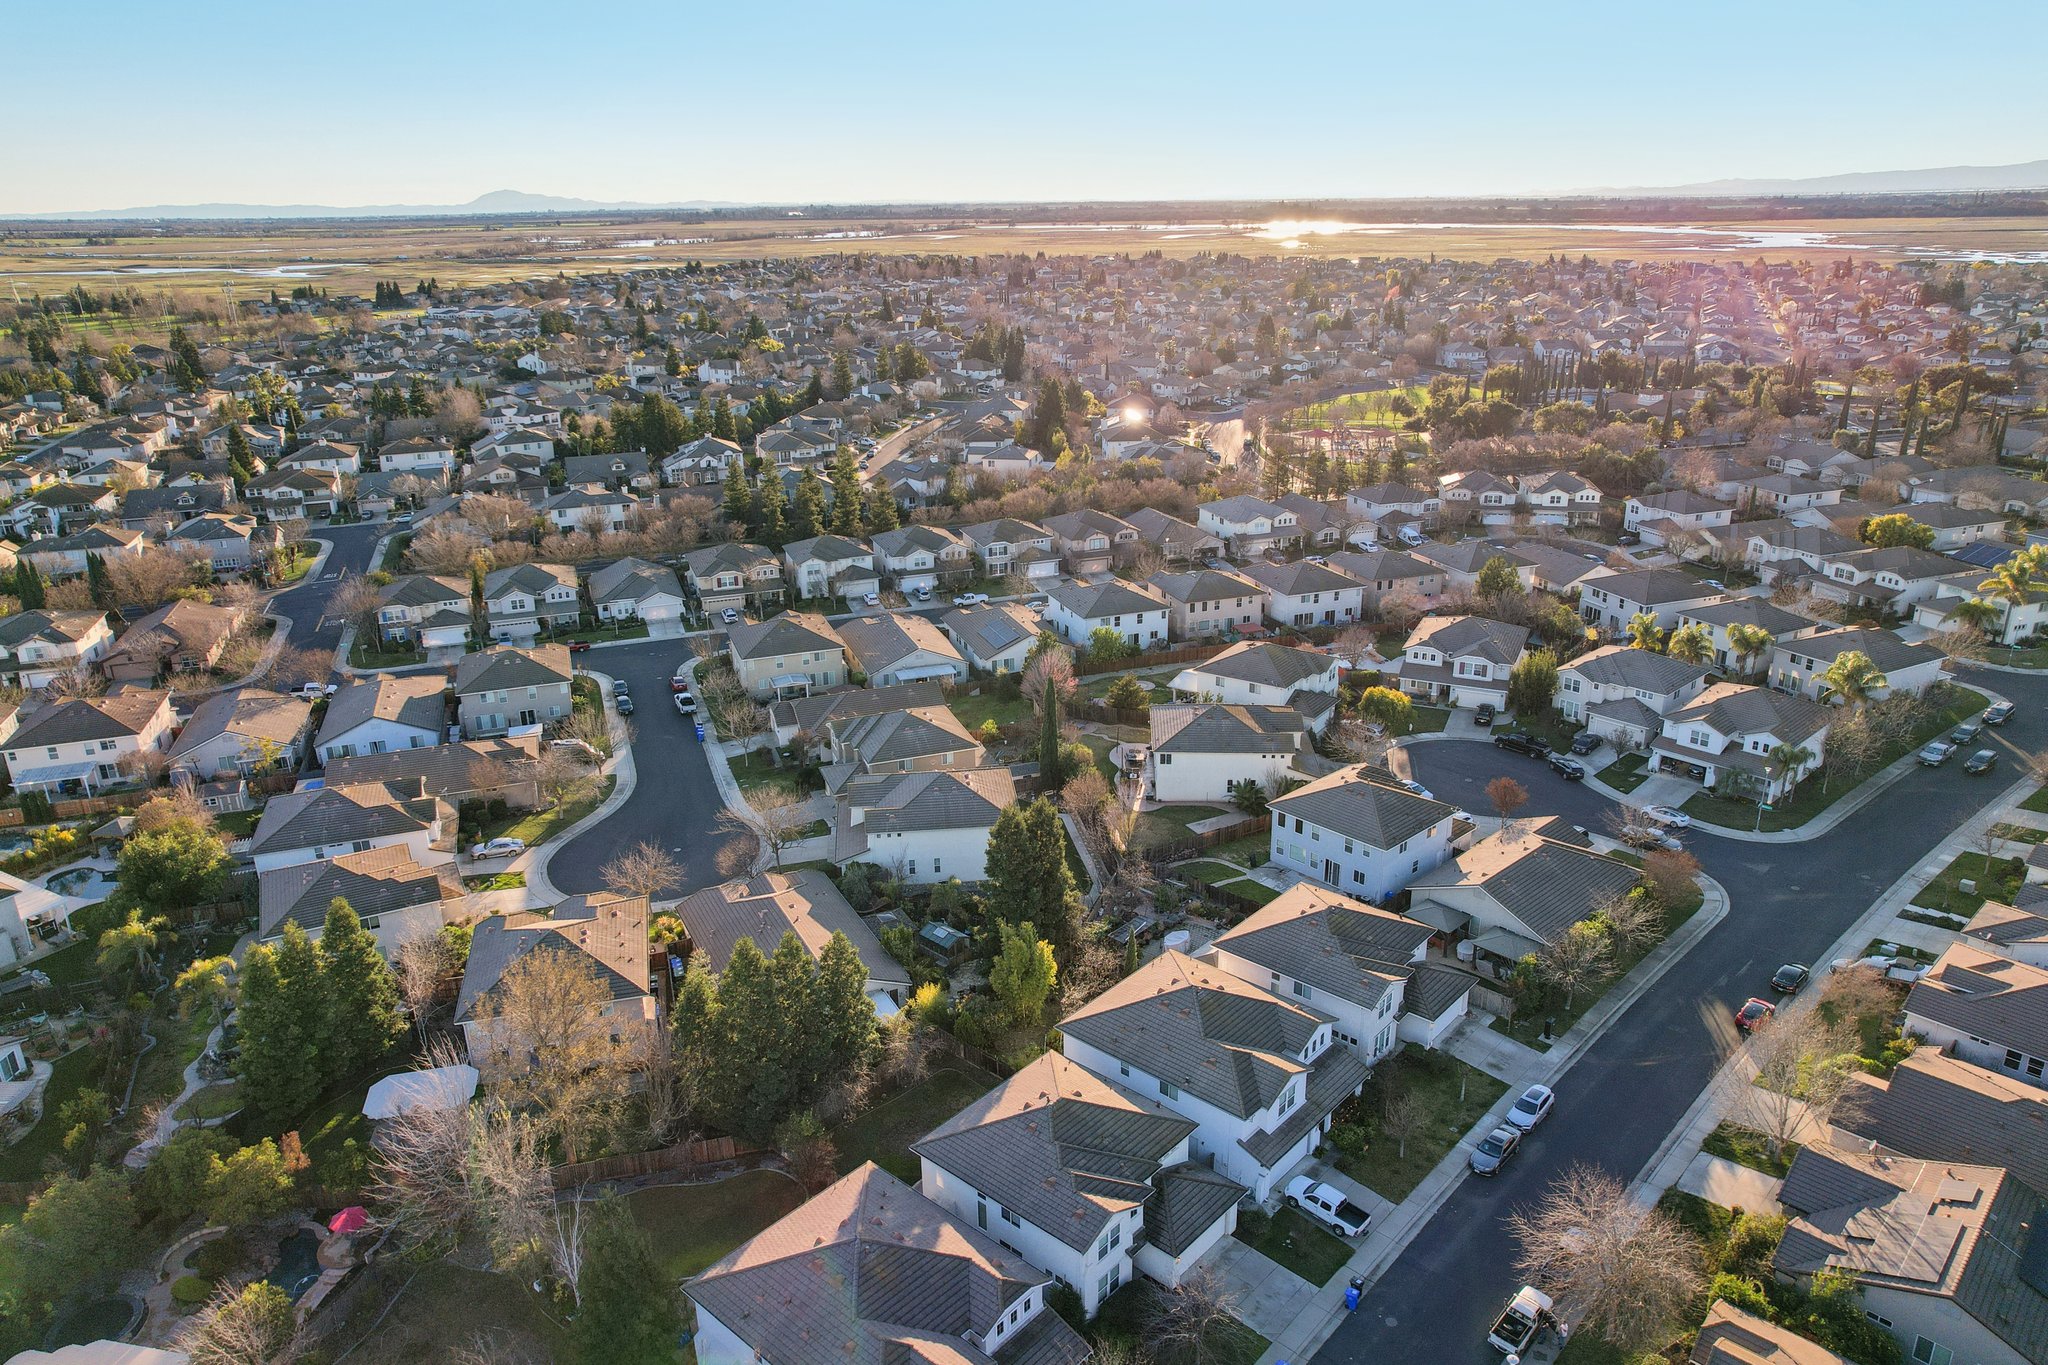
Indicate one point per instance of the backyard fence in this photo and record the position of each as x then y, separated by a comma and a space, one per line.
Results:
83, 806
684, 1156
1158, 658
1137, 718
939, 1041
1161, 854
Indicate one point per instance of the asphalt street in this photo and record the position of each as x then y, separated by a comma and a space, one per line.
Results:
306, 605
1788, 903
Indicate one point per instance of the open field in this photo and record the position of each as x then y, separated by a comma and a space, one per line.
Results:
349, 257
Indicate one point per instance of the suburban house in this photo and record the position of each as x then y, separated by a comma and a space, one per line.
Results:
1304, 593
427, 611
1954, 526
1461, 660
1249, 526
178, 637
996, 637
814, 717
2016, 623
1087, 1181
1943, 1108
771, 904
1944, 1255
244, 731
1717, 618
900, 648
831, 566
918, 558
1206, 602
1611, 600
1006, 546
1205, 751
886, 1276
918, 738
606, 931
927, 826
1390, 576
1462, 561
1623, 694
70, 556
397, 898
1894, 578
383, 712
1514, 893
1092, 542
37, 647
1367, 967
1254, 674
632, 589
1559, 497
1395, 507
497, 769
286, 493
734, 576
1137, 612
1986, 1008
320, 823
503, 688
521, 600
1356, 832
77, 747
1257, 1074
796, 652
231, 542
1728, 732
421, 455
1798, 665
1177, 541
589, 511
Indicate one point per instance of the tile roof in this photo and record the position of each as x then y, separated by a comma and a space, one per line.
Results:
445, 769
813, 713
1335, 944
1627, 666
765, 907
1352, 803
877, 643
1471, 636
1943, 1108
1732, 1337
250, 712
1737, 709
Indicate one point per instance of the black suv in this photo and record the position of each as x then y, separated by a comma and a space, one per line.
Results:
1522, 742
1585, 742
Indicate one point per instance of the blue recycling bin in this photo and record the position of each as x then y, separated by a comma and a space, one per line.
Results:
700, 730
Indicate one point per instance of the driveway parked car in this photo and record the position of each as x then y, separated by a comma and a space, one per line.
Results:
1483, 717
1522, 742
1754, 1014
1327, 1205
1585, 742
1534, 1107
1789, 978
1998, 713
1651, 838
498, 848
1937, 753
729, 616
1570, 769
1669, 816
1981, 762
1495, 1150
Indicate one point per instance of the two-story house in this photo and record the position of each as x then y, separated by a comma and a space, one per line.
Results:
733, 577
1304, 593
1139, 613
1255, 674
1623, 694
1718, 619
1799, 665
1354, 831
37, 647
1986, 1008
1205, 751
925, 825
246, 730
1206, 602
920, 558
382, 713
1514, 893
793, 654
319, 823
1461, 660
78, 746
1249, 526
1180, 543
1728, 733
1008, 546
504, 688
831, 566
427, 611
590, 511
996, 637
521, 600
900, 647
428, 456
1611, 600
1391, 575
1092, 542
632, 589
397, 898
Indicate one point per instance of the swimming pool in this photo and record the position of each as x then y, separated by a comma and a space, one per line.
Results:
298, 1264
87, 882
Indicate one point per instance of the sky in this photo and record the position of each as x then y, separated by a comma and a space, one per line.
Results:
122, 104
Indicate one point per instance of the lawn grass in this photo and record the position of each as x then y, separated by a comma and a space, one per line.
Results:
24, 1159
441, 1311
1100, 746
364, 654
71, 964
1169, 824
537, 827
1366, 408
213, 1102
1256, 892
694, 1225
1125, 1321
1291, 1240
623, 630
1626, 773
1422, 720
1816, 793
2001, 878
1208, 871
1704, 1219
237, 824
394, 552
1747, 1147
1251, 851
883, 1134
1875, 1029
1452, 1096
986, 705
2038, 802
1527, 1026
496, 881
331, 1124
2020, 834
1076, 869
755, 772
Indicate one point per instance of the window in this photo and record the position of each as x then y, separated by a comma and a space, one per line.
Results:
2012, 1060
1877, 1318
1301, 989
1358, 876
1123, 1068
1012, 1219
1169, 1089
1931, 1352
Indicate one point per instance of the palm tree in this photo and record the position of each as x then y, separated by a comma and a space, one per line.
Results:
1644, 632
1782, 760
1853, 680
1691, 644
130, 947
1748, 644
1975, 612
2012, 583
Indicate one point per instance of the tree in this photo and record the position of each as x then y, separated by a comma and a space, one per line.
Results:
1126, 693
544, 1039
128, 950
627, 1310
2012, 583
361, 990
1532, 683
1186, 1326
209, 985
1024, 973
1576, 960
421, 965
100, 584
28, 586
1643, 631
774, 818
1051, 767
1805, 1067
1028, 880
172, 869
1748, 643
1672, 874
1497, 578
1894, 529
642, 870
280, 1061
1108, 645
1507, 796
256, 1325
1403, 1116
248, 1185
1975, 613
76, 1234
1785, 760
1853, 680
1624, 1268
1692, 644
1634, 920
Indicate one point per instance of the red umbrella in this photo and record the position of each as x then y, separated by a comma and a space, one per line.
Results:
354, 1218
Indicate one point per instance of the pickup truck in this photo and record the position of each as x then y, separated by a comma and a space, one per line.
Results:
1521, 1322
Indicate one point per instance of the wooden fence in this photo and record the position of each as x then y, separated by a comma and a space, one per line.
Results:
1125, 717
1161, 854
77, 809
1158, 658
683, 1156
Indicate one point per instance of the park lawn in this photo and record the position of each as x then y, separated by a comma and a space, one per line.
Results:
883, 1133
2001, 878
1452, 1096
213, 1102
537, 827
1366, 408
441, 1310
694, 1225
1747, 1147
1290, 1239
1815, 794
2038, 802
986, 705
24, 1159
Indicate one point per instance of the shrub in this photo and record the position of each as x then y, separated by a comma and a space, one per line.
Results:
36, 808
1065, 1300
95, 920
218, 1257
191, 1290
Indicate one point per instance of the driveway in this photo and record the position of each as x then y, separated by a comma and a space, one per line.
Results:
1789, 902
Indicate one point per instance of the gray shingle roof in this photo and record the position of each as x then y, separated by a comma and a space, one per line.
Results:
633, 580
1111, 597
378, 881
1471, 636
444, 769
335, 815
1545, 885
610, 930
1301, 577
989, 630
413, 699
1272, 665
251, 712
1334, 943
874, 644
766, 907
899, 803
1987, 995
1734, 709
1219, 729
1355, 806
813, 713
122, 716
1206, 585
1626, 666
795, 632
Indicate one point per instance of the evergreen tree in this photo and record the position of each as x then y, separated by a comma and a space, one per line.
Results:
770, 526
99, 583
722, 424
361, 987
280, 1061
807, 514
842, 374
28, 586
750, 1089
882, 514
1050, 775
1028, 877
739, 503
792, 978
842, 1015
813, 393
479, 619
627, 1312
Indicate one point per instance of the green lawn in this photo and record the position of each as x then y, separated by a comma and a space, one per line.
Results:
497, 881
694, 1225
1527, 1025
1366, 408
2020, 834
301, 561
756, 772
624, 630
1289, 1238
443, 1309
884, 1133
71, 964
1208, 871
2038, 802
24, 1160
1100, 745
238, 824
1747, 1147
213, 1102
1875, 1030
364, 654
1423, 720
1250, 851
986, 705
1169, 824
1452, 1096
331, 1124
2001, 879
1626, 773
537, 827
1258, 893
1816, 793
394, 552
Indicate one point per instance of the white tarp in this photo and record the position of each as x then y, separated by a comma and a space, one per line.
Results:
441, 1087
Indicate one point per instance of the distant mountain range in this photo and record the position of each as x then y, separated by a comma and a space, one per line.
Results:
496, 203
2027, 175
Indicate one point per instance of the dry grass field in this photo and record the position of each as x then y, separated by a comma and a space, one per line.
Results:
254, 259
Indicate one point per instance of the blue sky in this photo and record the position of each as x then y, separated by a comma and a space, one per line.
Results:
436, 101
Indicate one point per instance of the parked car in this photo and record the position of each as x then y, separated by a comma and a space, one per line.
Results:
1754, 1014
681, 681
1981, 762
1327, 1204
924, 594
313, 691
1495, 1150
873, 599
1651, 838
1483, 717
686, 704
1410, 784
1966, 733
1937, 753
1998, 713
498, 848
623, 704
620, 687
1585, 742
729, 616
579, 646
1521, 1322
1789, 978
1570, 769
1534, 1107
1669, 816
1314, 559
969, 599
1522, 742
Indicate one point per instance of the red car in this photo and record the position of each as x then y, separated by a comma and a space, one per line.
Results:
1754, 1014
578, 646
679, 683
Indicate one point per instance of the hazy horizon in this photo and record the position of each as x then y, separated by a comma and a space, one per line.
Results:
435, 105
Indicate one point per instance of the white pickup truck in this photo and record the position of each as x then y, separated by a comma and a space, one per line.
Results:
1521, 1322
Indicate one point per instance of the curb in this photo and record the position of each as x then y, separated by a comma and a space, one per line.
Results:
620, 766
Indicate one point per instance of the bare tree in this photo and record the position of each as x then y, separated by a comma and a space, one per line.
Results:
292, 667
740, 719
773, 817
545, 1039
1805, 1066
1402, 1117
1635, 921
1576, 960
357, 600
75, 682
1185, 1324
1055, 664
146, 766
421, 964
150, 579
642, 870
443, 549
251, 1325
1626, 1269
564, 1233
1672, 873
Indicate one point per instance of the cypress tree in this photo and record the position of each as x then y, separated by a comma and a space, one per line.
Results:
280, 1061
739, 505
1050, 777
28, 586
99, 583
626, 1307
882, 514
841, 1012
360, 985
